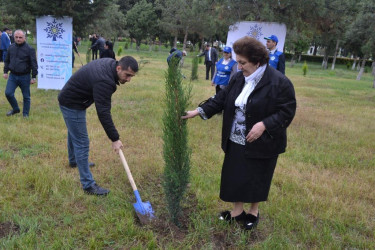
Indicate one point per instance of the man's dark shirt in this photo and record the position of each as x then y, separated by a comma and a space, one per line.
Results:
21, 60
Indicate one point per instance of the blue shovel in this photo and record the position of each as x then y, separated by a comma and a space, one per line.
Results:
142, 209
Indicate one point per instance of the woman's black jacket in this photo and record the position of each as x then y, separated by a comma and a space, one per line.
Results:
272, 101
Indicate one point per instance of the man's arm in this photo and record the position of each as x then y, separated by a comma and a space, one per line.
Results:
281, 64
34, 63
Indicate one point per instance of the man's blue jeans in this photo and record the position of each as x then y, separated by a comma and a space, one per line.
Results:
78, 143
23, 82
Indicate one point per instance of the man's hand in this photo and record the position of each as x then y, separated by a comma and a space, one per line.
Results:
5, 76
117, 145
32, 81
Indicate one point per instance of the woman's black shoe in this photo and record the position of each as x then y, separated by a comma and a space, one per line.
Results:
226, 216
251, 221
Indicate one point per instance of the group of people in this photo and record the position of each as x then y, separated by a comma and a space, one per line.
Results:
223, 70
257, 102
104, 47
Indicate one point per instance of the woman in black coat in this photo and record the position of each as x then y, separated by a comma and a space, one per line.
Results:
108, 51
259, 104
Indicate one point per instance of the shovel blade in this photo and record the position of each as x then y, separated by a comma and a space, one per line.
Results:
143, 209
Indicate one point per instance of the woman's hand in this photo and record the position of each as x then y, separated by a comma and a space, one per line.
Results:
190, 114
255, 132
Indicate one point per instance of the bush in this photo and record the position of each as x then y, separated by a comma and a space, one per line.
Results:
126, 45
88, 55
194, 70
304, 69
119, 52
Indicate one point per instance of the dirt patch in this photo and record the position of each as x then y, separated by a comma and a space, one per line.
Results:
8, 228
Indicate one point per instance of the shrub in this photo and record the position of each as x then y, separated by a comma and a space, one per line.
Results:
194, 70
304, 69
119, 52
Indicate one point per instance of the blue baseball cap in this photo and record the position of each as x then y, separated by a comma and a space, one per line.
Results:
273, 38
227, 49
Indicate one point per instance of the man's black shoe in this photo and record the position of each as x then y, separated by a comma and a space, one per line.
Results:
96, 190
12, 112
74, 165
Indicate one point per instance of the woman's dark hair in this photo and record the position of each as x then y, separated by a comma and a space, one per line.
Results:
128, 61
109, 44
253, 50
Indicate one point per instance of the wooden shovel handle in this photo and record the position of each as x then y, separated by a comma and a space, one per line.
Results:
128, 173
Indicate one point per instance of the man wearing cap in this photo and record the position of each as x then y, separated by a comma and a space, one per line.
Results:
175, 53
210, 58
277, 58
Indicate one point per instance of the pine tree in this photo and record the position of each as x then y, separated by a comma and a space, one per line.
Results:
194, 70
176, 151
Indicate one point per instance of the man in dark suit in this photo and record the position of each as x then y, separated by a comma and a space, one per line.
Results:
210, 59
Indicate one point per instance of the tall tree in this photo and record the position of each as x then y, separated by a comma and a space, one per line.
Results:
82, 11
141, 21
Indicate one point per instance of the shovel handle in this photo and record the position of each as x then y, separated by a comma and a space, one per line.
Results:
128, 173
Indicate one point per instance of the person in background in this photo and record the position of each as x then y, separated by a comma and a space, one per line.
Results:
93, 83
210, 58
226, 67
94, 49
99, 44
277, 58
108, 51
5, 42
20, 61
11, 37
74, 48
259, 104
175, 53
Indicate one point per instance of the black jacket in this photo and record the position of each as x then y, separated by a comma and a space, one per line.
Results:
108, 53
272, 101
94, 82
213, 55
21, 60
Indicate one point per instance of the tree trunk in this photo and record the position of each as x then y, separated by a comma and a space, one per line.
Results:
293, 61
362, 68
335, 55
202, 49
175, 42
185, 38
325, 59
373, 67
354, 63
315, 50
373, 85
299, 57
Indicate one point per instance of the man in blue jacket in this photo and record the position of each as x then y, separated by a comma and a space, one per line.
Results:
277, 58
5, 41
93, 83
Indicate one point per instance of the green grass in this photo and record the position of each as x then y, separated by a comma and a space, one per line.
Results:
322, 195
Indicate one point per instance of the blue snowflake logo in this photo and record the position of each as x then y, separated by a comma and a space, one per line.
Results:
54, 30
255, 32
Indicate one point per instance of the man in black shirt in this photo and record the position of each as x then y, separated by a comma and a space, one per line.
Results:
20, 61
93, 83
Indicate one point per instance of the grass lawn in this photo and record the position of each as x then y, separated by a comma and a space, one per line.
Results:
322, 194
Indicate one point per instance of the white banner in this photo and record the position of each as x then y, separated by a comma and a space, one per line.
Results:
257, 30
54, 46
